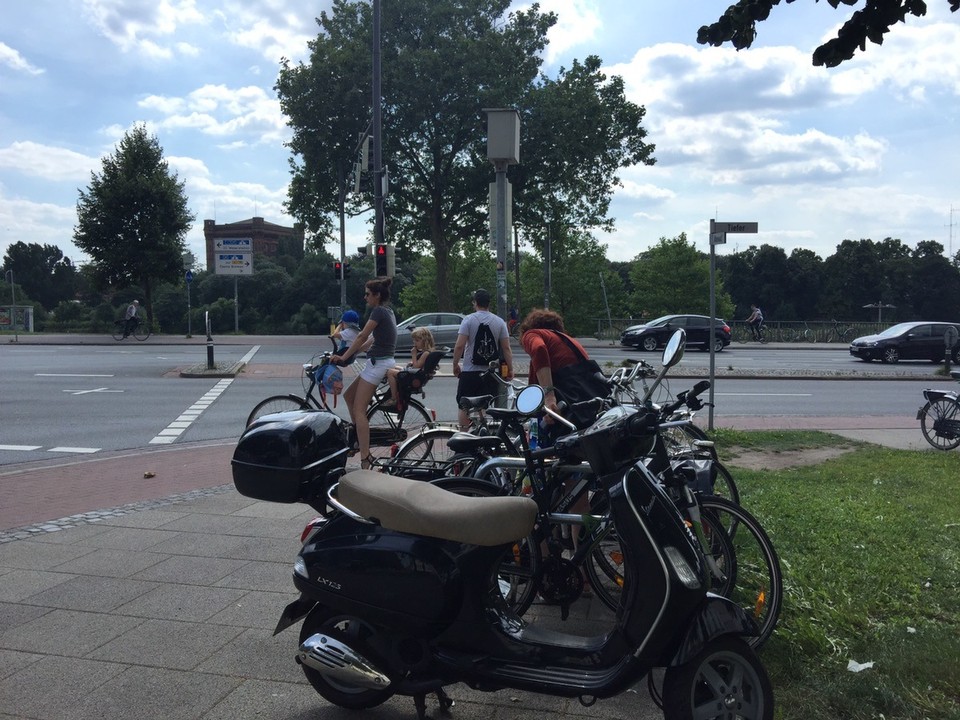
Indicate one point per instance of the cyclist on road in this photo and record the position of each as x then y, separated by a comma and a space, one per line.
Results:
131, 318
755, 321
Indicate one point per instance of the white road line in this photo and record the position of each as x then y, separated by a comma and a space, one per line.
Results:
176, 428
68, 375
94, 390
765, 394
74, 450
20, 447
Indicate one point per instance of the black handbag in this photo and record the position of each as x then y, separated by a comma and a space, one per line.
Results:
584, 380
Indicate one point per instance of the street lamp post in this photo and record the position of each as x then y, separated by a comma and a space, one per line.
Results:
503, 149
13, 304
879, 306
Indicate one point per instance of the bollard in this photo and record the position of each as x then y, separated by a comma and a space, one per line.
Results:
210, 364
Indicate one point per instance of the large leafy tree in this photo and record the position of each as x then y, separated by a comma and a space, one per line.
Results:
443, 62
133, 218
738, 25
674, 277
42, 271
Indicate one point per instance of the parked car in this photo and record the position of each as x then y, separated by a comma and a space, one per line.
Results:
444, 327
654, 334
907, 341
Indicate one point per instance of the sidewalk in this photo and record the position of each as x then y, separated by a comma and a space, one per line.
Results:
141, 582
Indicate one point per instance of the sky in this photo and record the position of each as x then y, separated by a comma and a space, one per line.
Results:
814, 156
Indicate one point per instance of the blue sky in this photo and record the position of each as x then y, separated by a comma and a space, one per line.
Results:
867, 150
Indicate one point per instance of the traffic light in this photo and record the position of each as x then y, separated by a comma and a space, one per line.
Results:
338, 269
346, 270
380, 258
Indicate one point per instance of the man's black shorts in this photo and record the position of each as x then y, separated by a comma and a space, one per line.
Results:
475, 383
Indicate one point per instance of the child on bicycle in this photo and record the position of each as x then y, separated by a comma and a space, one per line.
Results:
346, 332
423, 343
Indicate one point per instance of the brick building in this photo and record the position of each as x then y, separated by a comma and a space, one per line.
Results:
267, 238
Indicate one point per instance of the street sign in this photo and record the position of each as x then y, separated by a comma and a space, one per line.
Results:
234, 245
732, 227
718, 238
189, 276
233, 264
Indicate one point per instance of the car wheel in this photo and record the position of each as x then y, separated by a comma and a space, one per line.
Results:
718, 345
890, 355
649, 343
956, 355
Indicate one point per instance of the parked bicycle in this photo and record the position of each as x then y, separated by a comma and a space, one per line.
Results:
140, 329
840, 332
940, 417
390, 423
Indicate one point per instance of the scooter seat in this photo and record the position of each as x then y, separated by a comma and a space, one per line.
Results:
419, 508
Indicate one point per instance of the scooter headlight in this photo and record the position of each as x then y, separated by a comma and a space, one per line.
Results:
686, 574
300, 567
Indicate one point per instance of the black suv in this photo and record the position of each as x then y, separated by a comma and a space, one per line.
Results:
655, 333
907, 341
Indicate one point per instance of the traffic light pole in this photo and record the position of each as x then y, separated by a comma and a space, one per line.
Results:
377, 134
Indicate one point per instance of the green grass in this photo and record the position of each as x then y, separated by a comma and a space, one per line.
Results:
870, 548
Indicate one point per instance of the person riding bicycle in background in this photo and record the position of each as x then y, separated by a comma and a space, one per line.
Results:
130, 319
755, 321
382, 326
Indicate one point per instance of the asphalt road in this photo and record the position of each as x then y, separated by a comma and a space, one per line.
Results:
59, 400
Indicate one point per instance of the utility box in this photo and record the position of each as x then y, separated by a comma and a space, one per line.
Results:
503, 135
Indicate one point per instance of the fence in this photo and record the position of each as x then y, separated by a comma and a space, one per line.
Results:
819, 331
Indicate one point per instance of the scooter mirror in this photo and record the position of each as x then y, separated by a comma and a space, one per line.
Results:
673, 352
530, 400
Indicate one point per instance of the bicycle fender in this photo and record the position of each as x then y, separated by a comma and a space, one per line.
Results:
940, 395
717, 616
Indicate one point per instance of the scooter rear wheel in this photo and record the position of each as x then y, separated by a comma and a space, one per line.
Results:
356, 633
724, 680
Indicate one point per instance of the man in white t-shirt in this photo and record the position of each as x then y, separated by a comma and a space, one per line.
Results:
471, 378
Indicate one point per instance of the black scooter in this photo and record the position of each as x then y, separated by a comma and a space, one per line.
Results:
400, 595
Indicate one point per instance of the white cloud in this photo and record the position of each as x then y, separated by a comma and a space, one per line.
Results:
45, 162
578, 24
142, 25
14, 60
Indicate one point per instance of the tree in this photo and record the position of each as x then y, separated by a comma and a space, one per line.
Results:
42, 271
674, 277
738, 25
133, 219
434, 141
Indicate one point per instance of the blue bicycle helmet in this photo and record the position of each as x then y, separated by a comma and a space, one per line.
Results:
350, 317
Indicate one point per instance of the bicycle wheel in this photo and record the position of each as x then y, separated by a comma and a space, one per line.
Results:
118, 331
605, 569
520, 572
275, 404
142, 331
426, 455
388, 426
940, 423
750, 569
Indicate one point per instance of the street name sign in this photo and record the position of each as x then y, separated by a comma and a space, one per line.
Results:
235, 245
234, 264
732, 227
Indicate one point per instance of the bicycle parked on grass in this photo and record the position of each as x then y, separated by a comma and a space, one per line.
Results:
140, 329
390, 423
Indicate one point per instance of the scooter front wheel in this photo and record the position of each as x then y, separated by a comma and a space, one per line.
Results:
355, 633
724, 680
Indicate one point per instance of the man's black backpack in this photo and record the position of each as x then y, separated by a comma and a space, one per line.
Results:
486, 349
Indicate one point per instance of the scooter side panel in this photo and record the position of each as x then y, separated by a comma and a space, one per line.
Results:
390, 578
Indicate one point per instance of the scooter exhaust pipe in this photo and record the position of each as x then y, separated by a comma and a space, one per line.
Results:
333, 659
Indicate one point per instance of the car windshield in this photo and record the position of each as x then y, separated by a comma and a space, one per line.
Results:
895, 330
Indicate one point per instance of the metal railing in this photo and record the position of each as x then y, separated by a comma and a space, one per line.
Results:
813, 331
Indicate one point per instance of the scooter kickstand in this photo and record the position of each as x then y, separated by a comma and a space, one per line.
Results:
420, 701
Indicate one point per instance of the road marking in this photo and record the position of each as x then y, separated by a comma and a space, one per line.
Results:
766, 394
176, 428
74, 450
68, 375
20, 447
94, 390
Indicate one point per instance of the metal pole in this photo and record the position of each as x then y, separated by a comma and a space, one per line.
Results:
189, 319
13, 309
502, 308
377, 134
236, 307
713, 313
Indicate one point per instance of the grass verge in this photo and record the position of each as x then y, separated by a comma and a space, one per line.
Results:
870, 548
